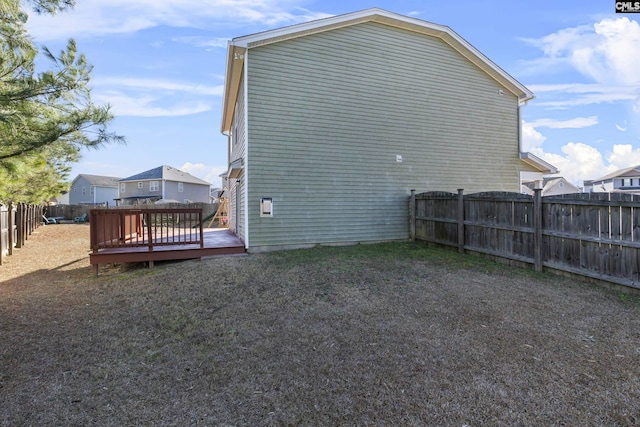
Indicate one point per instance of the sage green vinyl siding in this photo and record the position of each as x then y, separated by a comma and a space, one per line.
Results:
328, 114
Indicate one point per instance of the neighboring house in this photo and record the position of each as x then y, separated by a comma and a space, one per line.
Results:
93, 190
331, 123
551, 186
621, 181
62, 199
163, 182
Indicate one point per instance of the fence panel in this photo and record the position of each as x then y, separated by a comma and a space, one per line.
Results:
500, 224
16, 224
4, 232
596, 234
434, 213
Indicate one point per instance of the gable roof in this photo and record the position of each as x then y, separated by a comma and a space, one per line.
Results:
631, 171
538, 163
98, 180
167, 173
239, 45
549, 182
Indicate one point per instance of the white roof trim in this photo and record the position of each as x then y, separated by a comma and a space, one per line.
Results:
385, 17
538, 163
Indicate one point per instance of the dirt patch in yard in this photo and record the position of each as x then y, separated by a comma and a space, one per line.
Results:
389, 334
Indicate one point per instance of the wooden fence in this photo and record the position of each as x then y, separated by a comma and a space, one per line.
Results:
596, 235
17, 222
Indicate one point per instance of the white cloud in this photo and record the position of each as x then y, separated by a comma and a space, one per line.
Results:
579, 161
563, 96
157, 85
207, 172
99, 17
144, 97
607, 51
146, 106
577, 123
624, 156
531, 138
205, 42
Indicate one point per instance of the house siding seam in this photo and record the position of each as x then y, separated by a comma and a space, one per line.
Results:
330, 112
237, 185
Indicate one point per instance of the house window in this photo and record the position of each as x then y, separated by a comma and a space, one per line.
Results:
140, 185
91, 190
180, 187
84, 191
154, 186
123, 187
626, 182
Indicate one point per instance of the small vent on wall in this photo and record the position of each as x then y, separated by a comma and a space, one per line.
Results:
266, 207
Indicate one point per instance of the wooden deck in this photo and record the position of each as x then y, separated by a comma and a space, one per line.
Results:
216, 241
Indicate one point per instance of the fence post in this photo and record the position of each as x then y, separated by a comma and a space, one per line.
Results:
460, 220
412, 216
10, 224
537, 229
18, 225
2, 224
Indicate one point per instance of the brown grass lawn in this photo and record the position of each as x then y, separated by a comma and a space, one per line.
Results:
389, 334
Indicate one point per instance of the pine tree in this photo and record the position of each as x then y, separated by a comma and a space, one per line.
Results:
46, 117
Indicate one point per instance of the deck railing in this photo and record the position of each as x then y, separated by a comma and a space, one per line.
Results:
127, 228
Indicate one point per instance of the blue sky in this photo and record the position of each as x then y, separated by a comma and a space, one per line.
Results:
160, 65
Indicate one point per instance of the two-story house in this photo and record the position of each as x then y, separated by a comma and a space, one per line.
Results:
623, 180
163, 183
93, 190
551, 186
332, 122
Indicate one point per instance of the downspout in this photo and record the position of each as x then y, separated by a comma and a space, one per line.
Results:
246, 149
519, 114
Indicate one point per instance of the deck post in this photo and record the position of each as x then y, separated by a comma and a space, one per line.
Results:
149, 235
200, 221
460, 220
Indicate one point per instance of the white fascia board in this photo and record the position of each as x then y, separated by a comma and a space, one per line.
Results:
538, 163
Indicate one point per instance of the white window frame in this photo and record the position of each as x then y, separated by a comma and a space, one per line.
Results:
140, 185
123, 187
181, 187
154, 185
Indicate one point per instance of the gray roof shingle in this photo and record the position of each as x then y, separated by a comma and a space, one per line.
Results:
168, 173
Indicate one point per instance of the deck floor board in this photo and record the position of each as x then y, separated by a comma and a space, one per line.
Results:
217, 241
